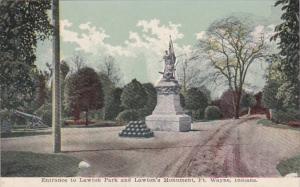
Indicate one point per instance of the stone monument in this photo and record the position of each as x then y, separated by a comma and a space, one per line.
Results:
168, 114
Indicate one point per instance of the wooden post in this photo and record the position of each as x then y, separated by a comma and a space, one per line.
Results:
56, 98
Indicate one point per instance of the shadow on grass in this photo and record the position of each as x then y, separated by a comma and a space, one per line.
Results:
24, 133
95, 125
29, 164
197, 130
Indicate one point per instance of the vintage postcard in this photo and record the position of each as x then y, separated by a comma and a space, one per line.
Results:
150, 92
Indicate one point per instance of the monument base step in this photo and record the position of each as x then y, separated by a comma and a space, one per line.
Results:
177, 123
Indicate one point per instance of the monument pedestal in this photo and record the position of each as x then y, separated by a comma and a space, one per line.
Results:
168, 114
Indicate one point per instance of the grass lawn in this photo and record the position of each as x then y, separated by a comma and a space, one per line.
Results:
269, 123
29, 164
20, 133
291, 165
98, 123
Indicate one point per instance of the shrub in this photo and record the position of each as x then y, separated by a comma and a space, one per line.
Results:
128, 115
198, 114
45, 113
281, 116
18, 120
212, 113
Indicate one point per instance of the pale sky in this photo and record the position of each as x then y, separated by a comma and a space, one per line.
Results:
136, 33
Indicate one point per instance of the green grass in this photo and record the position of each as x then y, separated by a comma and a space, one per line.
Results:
20, 133
99, 123
29, 164
269, 123
264, 122
291, 165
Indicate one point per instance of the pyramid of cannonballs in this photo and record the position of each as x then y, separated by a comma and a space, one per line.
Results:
136, 129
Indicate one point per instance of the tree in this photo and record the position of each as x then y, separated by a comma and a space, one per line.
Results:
151, 100
22, 24
107, 88
64, 70
231, 48
78, 62
111, 70
134, 95
16, 84
41, 92
269, 94
188, 74
113, 104
226, 104
196, 101
288, 33
83, 92
248, 100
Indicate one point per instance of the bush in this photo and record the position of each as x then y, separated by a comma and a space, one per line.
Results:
281, 116
18, 120
128, 115
198, 114
212, 113
45, 112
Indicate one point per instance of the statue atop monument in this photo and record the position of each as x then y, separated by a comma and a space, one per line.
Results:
170, 59
168, 115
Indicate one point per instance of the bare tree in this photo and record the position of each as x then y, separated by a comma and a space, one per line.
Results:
111, 70
188, 73
78, 62
231, 46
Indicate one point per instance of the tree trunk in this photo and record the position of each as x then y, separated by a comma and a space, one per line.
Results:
249, 111
237, 106
86, 118
56, 79
76, 112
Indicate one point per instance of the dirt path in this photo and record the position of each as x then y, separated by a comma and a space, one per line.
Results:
218, 156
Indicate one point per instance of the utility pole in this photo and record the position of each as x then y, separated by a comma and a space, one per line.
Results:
56, 98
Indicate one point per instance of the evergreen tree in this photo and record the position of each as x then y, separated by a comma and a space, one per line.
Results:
134, 95
196, 101
288, 33
151, 99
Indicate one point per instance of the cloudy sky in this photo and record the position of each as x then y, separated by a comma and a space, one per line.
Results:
136, 33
